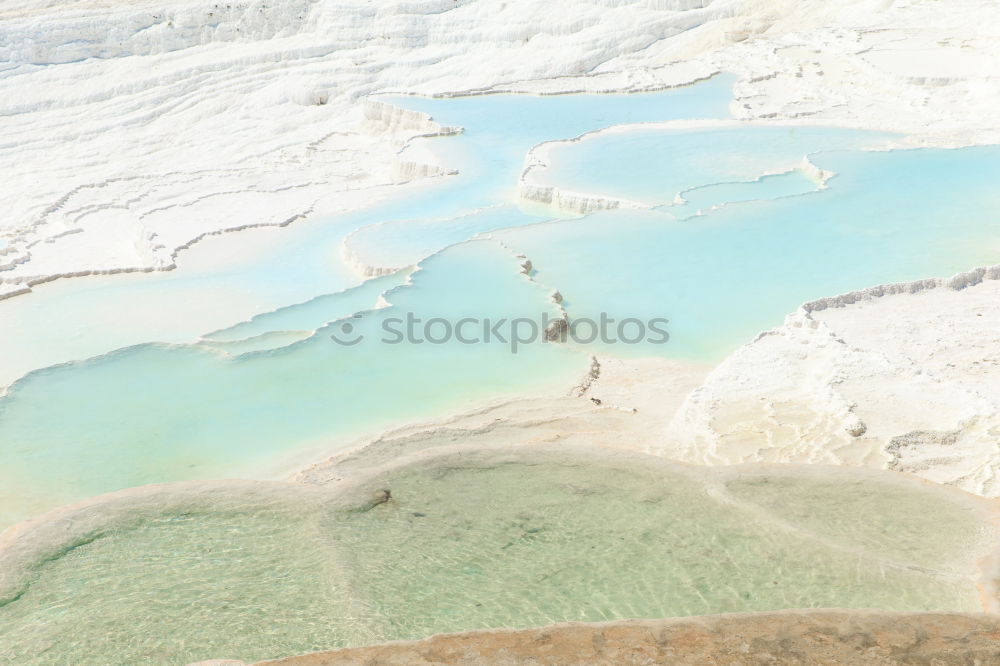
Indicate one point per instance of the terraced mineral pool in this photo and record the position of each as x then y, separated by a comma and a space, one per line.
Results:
504, 542
257, 570
217, 286
664, 163
169, 578
159, 412
255, 397
723, 277
401, 243
174, 412
699, 200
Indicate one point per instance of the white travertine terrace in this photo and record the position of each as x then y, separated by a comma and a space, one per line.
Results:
130, 131
904, 376
133, 130
533, 187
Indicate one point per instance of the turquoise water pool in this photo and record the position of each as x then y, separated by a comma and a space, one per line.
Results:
270, 386
160, 412
475, 541
169, 412
721, 278
662, 164
214, 288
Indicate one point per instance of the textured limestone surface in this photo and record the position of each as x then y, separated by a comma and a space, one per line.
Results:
139, 128
902, 377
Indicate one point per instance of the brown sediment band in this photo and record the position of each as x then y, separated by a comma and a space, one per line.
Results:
813, 637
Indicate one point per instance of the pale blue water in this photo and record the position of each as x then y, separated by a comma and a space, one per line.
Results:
499, 129
723, 277
82, 318
258, 393
314, 313
702, 199
654, 166
401, 243
160, 412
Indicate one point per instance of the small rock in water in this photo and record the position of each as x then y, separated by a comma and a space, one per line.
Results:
378, 497
556, 330
855, 427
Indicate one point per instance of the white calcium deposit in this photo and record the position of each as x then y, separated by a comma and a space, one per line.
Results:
904, 377
131, 130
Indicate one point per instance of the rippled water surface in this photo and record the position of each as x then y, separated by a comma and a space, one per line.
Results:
476, 541
515, 544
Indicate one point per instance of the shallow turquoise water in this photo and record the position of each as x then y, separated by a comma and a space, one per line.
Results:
158, 412
700, 200
312, 314
402, 243
174, 412
86, 317
662, 164
478, 541
499, 129
723, 277
256, 396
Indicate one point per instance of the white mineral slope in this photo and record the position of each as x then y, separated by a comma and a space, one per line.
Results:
619, 404
910, 66
535, 184
130, 130
904, 377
